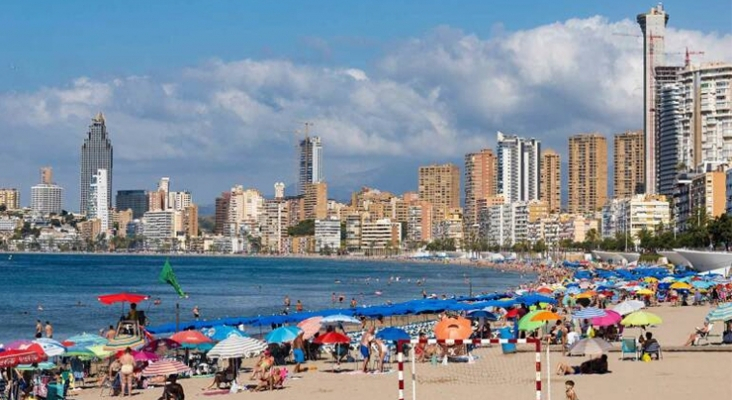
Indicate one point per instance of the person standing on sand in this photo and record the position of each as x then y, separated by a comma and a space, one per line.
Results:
39, 329
298, 350
127, 370
49, 330
365, 347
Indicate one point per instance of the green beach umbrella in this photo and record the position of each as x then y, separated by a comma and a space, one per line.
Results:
721, 313
641, 318
526, 324
40, 366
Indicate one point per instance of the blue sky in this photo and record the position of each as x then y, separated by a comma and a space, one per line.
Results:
210, 92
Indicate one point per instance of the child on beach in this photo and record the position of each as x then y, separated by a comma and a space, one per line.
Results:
569, 392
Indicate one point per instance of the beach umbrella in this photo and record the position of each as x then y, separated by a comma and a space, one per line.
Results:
475, 314
526, 324
702, 284
641, 318
611, 318
237, 346
18, 344
628, 307
27, 354
721, 313
191, 339
544, 316
586, 295
283, 334
121, 298
588, 313
339, 319
392, 334
89, 339
100, 351
512, 313
332, 338
51, 347
544, 290
221, 332
310, 326
165, 368
453, 328
140, 355
590, 346
645, 292
164, 343
81, 351
680, 285
42, 366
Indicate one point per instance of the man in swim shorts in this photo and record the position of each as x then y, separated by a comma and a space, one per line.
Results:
366, 340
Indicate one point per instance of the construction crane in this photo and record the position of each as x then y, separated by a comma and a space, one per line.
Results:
687, 58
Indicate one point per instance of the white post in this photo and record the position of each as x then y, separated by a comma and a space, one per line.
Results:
414, 374
548, 374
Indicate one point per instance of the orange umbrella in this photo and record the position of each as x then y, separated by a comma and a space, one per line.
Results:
191, 337
587, 294
544, 290
453, 328
310, 326
546, 316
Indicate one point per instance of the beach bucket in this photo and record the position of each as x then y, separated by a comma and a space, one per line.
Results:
505, 333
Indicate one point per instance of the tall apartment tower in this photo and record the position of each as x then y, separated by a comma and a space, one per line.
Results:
551, 180
46, 175
98, 201
440, 186
311, 162
653, 26
46, 197
518, 168
480, 182
629, 154
96, 154
587, 173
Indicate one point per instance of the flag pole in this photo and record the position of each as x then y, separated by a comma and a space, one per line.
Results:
177, 316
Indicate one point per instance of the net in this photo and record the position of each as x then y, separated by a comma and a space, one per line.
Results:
496, 368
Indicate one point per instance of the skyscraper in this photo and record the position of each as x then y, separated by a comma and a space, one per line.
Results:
135, 200
96, 154
46, 175
46, 197
440, 186
98, 201
653, 26
629, 154
518, 168
671, 148
480, 182
311, 162
587, 173
551, 180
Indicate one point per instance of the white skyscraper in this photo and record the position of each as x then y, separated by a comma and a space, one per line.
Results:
98, 201
47, 199
518, 168
653, 26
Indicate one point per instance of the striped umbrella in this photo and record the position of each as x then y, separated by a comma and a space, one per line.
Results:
165, 368
88, 339
51, 347
310, 326
589, 313
721, 313
592, 346
628, 306
237, 346
339, 319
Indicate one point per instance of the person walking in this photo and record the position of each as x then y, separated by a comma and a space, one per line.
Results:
127, 370
49, 330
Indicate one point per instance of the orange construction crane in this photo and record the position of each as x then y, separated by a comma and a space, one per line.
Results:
687, 59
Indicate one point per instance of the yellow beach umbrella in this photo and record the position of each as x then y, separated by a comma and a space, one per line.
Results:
644, 292
586, 295
680, 285
650, 279
641, 318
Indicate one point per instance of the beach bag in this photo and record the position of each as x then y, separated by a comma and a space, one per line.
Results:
646, 357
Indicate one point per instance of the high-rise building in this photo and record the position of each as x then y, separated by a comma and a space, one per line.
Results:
96, 154
480, 182
440, 186
311, 162
98, 201
221, 216
653, 26
190, 220
135, 200
46, 175
729, 191
10, 198
279, 188
47, 198
179, 201
708, 192
671, 148
518, 168
551, 180
315, 201
587, 173
629, 175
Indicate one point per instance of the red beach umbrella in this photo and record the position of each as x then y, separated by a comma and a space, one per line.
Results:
165, 368
512, 313
191, 337
27, 355
122, 298
332, 338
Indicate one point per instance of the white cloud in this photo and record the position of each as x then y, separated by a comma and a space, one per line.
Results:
431, 98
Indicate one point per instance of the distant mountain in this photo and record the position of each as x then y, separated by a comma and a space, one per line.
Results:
207, 210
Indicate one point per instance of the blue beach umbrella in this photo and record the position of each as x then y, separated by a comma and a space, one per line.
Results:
721, 313
283, 334
88, 339
339, 319
588, 313
482, 314
702, 284
392, 334
221, 332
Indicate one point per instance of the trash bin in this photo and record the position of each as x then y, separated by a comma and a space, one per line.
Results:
505, 333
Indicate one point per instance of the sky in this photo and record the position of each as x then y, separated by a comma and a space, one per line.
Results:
211, 93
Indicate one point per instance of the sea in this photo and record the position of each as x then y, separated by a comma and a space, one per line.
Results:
63, 288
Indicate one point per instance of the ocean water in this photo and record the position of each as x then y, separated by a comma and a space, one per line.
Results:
63, 288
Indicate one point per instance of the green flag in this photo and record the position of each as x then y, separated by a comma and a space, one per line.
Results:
167, 276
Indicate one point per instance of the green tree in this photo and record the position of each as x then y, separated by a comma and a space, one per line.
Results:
303, 228
540, 246
720, 231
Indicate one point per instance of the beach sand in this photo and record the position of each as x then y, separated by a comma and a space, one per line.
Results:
679, 375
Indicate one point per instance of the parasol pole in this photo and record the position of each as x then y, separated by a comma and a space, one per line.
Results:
177, 316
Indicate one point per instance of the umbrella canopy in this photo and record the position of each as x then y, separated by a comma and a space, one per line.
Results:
588, 294
680, 285
310, 326
644, 292
18, 344
283, 334
100, 351
611, 318
121, 298
591, 346
140, 355
526, 324
589, 313
545, 316
641, 318
29, 354
221, 332
332, 338
544, 290
721, 313
51, 347
339, 319
165, 368
88, 339
453, 328
628, 307
512, 313
190, 338
482, 314
165, 343
44, 366
392, 334
237, 346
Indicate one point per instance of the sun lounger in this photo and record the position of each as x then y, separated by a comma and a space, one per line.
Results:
704, 336
654, 349
629, 346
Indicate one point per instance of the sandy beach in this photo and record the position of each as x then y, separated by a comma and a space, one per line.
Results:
701, 372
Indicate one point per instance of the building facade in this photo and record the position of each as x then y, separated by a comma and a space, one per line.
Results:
96, 154
10, 198
380, 235
98, 201
672, 149
729, 190
135, 200
550, 187
158, 227
629, 159
315, 201
518, 168
642, 212
480, 182
47, 199
327, 235
587, 173
311, 162
440, 186
708, 192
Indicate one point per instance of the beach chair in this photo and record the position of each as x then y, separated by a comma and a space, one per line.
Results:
704, 336
654, 348
629, 346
